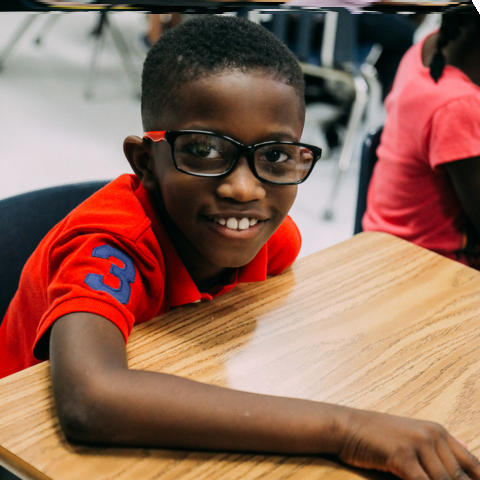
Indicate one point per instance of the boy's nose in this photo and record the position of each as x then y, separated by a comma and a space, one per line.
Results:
241, 184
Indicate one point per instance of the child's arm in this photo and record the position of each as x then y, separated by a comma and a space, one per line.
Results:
100, 401
465, 176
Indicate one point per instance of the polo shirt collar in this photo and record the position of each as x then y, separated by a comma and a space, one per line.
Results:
180, 289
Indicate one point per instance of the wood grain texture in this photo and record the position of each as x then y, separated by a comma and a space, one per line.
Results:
374, 322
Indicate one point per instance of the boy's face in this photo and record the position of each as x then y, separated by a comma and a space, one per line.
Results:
250, 108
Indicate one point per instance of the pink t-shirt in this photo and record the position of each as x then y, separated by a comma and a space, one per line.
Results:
428, 124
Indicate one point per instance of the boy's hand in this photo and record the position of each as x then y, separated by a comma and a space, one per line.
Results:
410, 449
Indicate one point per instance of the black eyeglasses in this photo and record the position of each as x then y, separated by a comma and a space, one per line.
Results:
206, 154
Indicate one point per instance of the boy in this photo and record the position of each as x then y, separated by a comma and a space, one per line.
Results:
203, 212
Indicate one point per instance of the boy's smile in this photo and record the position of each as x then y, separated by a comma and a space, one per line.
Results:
222, 222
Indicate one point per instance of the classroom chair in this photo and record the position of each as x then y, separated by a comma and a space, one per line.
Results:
24, 220
6, 475
367, 163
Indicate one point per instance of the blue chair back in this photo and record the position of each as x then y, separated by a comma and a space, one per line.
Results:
367, 163
24, 221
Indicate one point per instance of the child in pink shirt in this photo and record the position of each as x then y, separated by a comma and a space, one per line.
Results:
426, 184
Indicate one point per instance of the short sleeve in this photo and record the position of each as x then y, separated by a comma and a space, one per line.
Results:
99, 274
283, 247
455, 131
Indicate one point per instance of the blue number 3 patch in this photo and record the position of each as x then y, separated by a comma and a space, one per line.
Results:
126, 275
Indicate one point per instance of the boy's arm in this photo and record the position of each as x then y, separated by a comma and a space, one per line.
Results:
100, 401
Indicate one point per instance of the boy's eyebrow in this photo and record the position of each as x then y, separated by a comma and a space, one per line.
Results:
282, 136
270, 136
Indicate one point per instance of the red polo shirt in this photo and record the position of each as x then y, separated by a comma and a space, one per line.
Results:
112, 257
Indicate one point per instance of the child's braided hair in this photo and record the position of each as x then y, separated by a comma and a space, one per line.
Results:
452, 22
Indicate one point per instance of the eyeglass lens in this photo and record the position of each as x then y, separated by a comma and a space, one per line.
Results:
211, 155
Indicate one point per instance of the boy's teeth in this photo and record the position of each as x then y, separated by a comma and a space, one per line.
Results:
243, 224
233, 224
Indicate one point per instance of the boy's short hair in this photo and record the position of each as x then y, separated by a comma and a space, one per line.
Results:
208, 45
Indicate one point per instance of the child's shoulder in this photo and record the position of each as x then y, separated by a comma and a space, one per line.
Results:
112, 221
117, 209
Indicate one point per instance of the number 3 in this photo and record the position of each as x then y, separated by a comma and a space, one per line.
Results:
126, 275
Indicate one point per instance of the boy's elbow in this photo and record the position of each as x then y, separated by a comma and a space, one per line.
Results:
82, 415
77, 418
87, 366
76, 424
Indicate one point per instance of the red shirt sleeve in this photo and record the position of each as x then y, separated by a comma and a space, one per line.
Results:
283, 247
455, 131
100, 274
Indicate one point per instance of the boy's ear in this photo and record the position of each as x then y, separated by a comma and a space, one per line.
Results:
140, 157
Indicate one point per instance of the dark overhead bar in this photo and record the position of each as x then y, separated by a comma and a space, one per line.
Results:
206, 6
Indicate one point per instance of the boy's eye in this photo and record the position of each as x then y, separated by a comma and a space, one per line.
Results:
276, 156
203, 150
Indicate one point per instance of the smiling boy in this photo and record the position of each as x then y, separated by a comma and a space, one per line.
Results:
215, 176
222, 223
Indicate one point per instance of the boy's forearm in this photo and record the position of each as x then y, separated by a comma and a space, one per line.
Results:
99, 400
159, 410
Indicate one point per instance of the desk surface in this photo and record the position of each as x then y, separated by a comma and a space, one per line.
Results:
374, 322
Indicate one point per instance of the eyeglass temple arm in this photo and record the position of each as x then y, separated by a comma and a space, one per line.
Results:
154, 136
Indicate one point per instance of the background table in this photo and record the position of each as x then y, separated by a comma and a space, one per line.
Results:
374, 322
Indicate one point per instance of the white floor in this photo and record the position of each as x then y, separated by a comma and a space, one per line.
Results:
52, 135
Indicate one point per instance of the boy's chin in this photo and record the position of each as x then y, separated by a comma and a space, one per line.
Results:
232, 260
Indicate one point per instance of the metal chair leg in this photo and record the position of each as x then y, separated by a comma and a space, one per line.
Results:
99, 39
348, 149
125, 56
375, 111
122, 48
27, 21
47, 26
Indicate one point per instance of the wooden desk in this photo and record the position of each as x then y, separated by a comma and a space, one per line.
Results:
374, 322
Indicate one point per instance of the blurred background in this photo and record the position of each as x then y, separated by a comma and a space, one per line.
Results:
70, 83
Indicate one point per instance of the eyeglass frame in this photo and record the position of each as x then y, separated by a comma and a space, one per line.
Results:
170, 136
